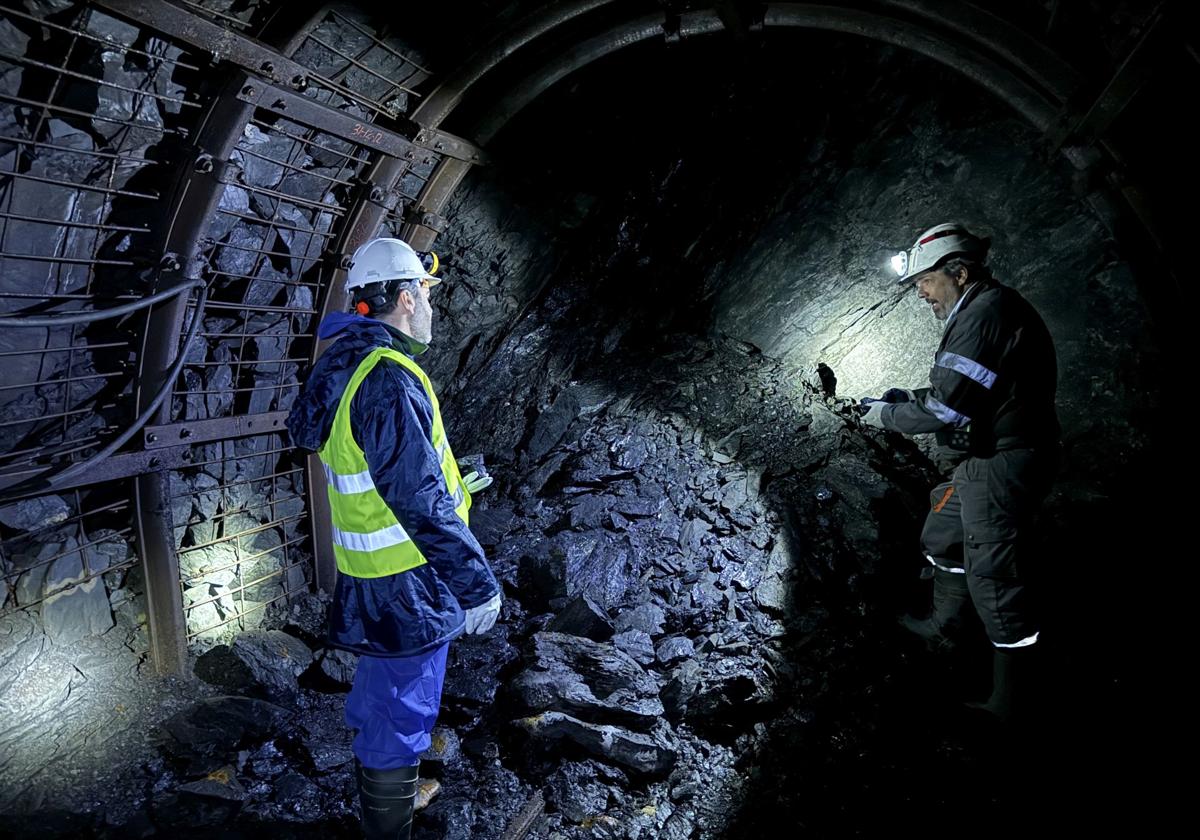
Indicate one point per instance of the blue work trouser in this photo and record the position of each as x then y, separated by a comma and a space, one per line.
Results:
394, 705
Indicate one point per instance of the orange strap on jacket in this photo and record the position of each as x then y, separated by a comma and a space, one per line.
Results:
937, 507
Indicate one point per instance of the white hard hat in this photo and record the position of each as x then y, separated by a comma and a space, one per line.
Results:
388, 259
935, 245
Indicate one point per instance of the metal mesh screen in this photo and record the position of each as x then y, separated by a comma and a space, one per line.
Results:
88, 104
264, 251
242, 526
351, 65
63, 555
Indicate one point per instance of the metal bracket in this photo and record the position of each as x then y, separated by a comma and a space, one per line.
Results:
385, 198
189, 28
423, 216
331, 121
444, 143
672, 24
219, 428
739, 17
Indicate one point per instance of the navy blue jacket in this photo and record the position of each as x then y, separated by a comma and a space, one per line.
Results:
392, 419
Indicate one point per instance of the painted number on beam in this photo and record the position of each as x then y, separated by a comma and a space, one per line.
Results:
366, 135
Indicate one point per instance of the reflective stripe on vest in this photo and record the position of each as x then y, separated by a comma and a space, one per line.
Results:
368, 540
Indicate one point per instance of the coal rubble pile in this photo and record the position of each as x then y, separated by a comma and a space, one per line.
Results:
666, 551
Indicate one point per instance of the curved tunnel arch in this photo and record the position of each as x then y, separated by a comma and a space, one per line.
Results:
1024, 73
1016, 68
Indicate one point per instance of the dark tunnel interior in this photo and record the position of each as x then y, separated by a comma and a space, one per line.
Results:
666, 286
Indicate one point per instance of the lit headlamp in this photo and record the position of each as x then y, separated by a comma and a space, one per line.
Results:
430, 262
900, 263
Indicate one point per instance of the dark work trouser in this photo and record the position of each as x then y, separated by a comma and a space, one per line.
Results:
981, 522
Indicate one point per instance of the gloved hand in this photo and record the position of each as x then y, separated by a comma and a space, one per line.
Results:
898, 395
481, 619
475, 482
872, 412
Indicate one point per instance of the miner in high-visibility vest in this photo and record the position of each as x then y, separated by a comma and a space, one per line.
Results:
411, 576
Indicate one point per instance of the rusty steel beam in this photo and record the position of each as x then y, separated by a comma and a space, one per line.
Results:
423, 222
330, 120
446, 96
197, 196
1034, 58
581, 54
1135, 71
1000, 80
112, 468
226, 44
320, 520
160, 566
218, 428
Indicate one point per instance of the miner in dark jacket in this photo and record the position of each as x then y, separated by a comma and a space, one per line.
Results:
990, 403
411, 575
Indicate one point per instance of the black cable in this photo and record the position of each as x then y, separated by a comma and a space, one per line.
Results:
41, 484
66, 319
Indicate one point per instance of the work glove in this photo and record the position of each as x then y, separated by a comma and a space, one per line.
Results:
898, 395
871, 410
477, 479
474, 482
481, 619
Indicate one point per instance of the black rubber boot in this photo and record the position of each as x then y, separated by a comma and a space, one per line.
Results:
385, 799
1014, 684
942, 629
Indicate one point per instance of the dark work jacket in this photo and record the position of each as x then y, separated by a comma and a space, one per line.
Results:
392, 418
994, 376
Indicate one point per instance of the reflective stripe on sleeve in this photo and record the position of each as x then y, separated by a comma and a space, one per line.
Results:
967, 367
945, 413
954, 570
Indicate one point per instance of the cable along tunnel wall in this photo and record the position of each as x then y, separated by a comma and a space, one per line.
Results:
134, 160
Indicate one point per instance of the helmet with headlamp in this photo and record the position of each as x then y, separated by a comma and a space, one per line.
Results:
391, 262
935, 246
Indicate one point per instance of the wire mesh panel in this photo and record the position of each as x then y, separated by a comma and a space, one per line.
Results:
376, 78
89, 109
62, 555
351, 64
102, 124
242, 526
239, 15
287, 189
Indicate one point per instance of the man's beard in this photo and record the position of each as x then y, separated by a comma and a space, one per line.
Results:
422, 324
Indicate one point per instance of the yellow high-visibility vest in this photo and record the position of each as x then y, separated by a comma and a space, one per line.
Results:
368, 540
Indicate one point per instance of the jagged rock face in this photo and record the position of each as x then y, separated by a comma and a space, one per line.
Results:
266, 661
588, 679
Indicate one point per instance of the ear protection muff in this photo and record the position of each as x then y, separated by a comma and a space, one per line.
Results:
376, 302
